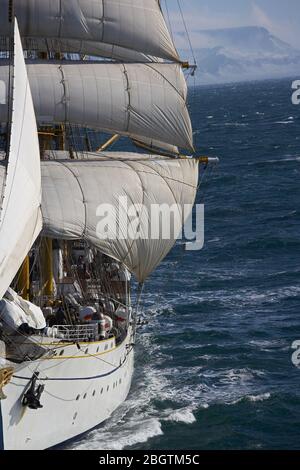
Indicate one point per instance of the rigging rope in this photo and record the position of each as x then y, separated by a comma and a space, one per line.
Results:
169, 21
187, 32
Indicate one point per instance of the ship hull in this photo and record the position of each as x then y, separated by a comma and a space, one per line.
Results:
83, 387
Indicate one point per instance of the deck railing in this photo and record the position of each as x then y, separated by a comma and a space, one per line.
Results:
77, 333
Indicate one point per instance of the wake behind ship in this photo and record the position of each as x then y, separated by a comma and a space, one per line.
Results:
67, 320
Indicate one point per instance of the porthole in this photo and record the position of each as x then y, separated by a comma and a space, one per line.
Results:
86, 351
97, 349
101, 390
61, 352
120, 381
84, 396
107, 388
111, 345
94, 393
77, 398
106, 347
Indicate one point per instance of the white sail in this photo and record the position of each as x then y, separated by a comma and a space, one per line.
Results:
145, 100
20, 216
74, 192
136, 25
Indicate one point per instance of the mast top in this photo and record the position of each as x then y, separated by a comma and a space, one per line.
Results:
11, 11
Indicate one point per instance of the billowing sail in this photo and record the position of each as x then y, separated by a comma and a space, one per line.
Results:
20, 216
94, 199
84, 25
144, 100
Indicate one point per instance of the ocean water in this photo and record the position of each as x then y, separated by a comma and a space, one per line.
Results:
213, 367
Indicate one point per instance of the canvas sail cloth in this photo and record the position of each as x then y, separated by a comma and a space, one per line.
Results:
110, 28
20, 215
74, 191
147, 101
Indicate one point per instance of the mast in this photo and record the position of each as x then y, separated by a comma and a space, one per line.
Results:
46, 260
142, 96
23, 279
46, 248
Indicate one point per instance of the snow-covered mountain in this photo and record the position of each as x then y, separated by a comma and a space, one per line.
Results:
247, 53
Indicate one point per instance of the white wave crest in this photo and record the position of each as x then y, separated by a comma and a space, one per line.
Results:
183, 415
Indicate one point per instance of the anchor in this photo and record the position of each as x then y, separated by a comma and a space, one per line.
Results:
33, 394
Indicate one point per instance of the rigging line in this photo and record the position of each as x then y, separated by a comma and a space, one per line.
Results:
58, 363
83, 392
11, 56
139, 295
136, 312
207, 174
68, 400
187, 32
41, 361
100, 359
34, 264
169, 21
33, 341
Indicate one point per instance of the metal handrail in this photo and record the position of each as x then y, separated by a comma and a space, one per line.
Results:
76, 333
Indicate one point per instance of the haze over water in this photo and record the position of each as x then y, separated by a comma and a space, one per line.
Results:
213, 367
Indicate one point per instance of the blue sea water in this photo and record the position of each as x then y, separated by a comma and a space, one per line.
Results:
213, 367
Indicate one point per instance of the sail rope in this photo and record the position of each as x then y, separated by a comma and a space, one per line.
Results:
187, 32
169, 20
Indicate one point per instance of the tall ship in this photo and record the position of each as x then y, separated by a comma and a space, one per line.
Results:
70, 244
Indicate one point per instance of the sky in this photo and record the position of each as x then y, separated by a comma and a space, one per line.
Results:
280, 17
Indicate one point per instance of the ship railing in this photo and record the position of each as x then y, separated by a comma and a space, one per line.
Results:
76, 333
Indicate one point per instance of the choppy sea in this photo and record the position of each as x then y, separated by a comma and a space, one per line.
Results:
214, 367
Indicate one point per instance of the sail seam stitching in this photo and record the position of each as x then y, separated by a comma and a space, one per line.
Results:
143, 200
103, 20
82, 192
166, 79
168, 185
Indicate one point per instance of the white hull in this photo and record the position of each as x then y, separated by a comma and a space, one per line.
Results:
82, 389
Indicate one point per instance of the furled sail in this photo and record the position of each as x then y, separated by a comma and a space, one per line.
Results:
154, 146
84, 48
77, 194
20, 216
83, 26
144, 100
